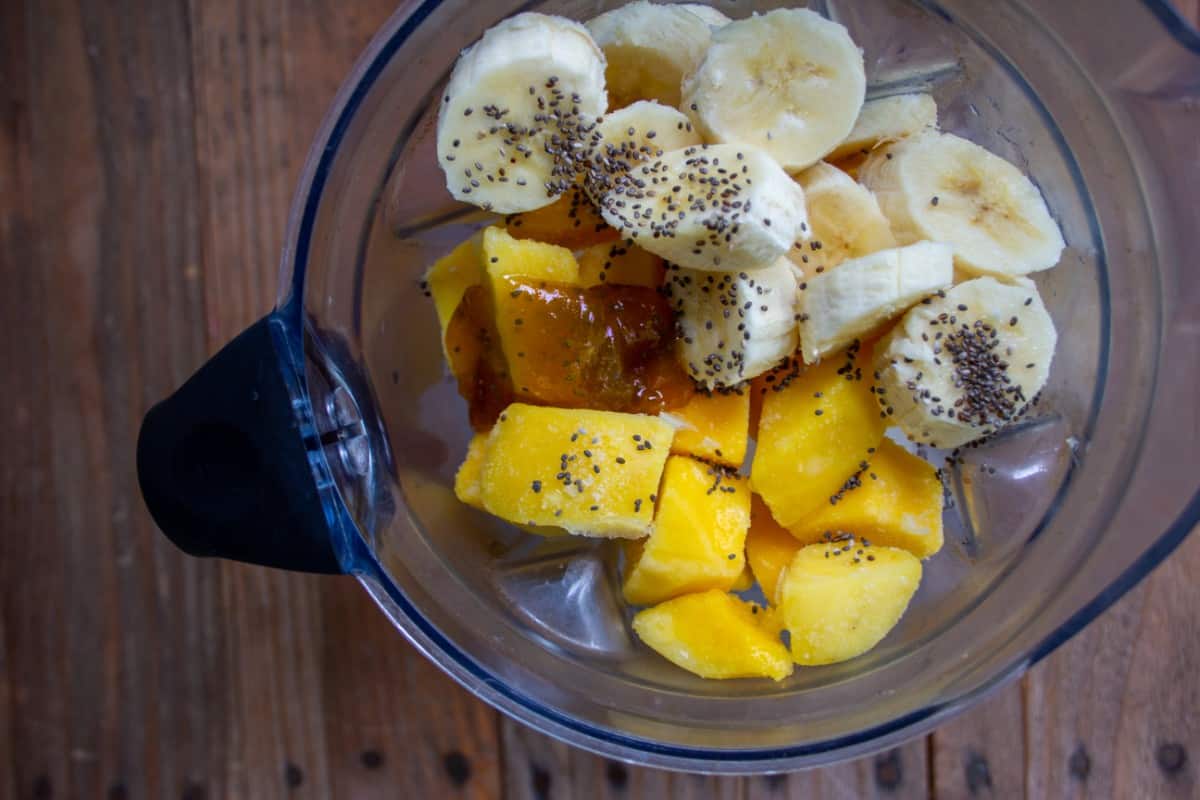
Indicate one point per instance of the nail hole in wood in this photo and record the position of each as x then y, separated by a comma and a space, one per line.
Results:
293, 776
1171, 757
42, 788
194, 791
457, 766
1080, 763
617, 775
540, 779
118, 791
775, 782
889, 771
372, 759
979, 774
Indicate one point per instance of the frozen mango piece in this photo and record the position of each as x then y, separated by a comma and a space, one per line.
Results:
506, 257
895, 501
620, 264
467, 479
840, 598
698, 537
744, 580
715, 427
570, 221
769, 549
590, 472
816, 429
451, 276
714, 635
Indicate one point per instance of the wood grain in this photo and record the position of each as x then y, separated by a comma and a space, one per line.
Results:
148, 152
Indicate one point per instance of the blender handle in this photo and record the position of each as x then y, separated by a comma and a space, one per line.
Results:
223, 464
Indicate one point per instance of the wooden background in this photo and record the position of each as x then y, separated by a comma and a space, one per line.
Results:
147, 156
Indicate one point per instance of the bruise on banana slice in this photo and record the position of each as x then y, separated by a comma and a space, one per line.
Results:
789, 81
966, 362
943, 188
733, 326
518, 111
714, 207
649, 49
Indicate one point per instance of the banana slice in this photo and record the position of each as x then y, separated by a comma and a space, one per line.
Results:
844, 220
733, 326
649, 49
966, 363
635, 134
941, 187
887, 119
710, 15
715, 207
518, 111
862, 294
789, 81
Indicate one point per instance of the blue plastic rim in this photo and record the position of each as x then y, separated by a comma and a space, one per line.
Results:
358, 559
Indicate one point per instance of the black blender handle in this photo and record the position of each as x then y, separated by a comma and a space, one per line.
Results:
223, 466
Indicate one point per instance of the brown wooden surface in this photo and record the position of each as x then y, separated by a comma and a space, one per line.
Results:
147, 156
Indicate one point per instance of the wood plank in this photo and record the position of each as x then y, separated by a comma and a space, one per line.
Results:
1112, 713
328, 699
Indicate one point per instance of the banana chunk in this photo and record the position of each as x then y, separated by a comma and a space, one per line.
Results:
888, 119
862, 294
636, 134
966, 363
649, 48
710, 15
941, 187
517, 104
844, 220
790, 82
715, 207
733, 326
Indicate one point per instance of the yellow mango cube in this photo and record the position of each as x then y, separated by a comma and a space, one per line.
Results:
467, 479
769, 549
698, 538
839, 599
506, 257
620, 264
714, 635
814, 434
895, 502
744, 580
715, 427
570, 221
590, 472
450, 277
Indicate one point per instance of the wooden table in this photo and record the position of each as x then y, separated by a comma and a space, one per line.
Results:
147, 156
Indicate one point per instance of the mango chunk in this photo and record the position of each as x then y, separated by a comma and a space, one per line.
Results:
769, 549
467, 479
714, 635
506, 257
816, 430
570, 221
840, 598
895, 502
450, 277
620, 264
744, 580
698, 538
715, 427
592, 473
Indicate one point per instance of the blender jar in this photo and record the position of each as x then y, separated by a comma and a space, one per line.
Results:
325, 438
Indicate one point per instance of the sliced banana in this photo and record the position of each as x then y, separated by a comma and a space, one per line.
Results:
635, 134
716, 207
966, 363
710, 15
649, 48
518, 111
941, 187
789, 81
733, 326
862, 294
844, 220
887, 119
